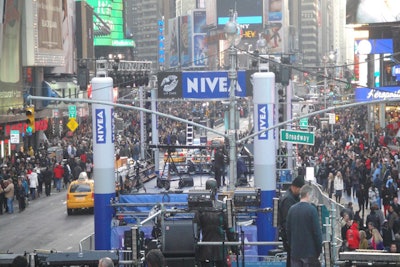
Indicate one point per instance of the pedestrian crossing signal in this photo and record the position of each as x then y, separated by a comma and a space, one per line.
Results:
30, 120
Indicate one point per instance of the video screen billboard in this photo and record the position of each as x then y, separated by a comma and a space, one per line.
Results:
249, 11
372, 11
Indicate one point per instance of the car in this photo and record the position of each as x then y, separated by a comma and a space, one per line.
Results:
80, 194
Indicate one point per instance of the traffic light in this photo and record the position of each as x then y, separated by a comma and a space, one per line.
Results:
30, 119
337, 118
281, 105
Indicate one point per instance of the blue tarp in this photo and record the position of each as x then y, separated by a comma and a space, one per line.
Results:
171, 201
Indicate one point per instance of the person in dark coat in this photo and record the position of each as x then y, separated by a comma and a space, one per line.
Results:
213, 225
304, 232
47, 178
290, 198
20, 194
219, 166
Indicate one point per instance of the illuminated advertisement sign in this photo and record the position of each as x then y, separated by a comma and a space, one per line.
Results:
199, 38
110, 12
363, 94
373, 46
372, 11
173, 35
249, 11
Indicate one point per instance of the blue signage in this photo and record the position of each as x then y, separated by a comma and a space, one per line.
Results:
211, 85
112, 126
100, 130
378, 93
262, 121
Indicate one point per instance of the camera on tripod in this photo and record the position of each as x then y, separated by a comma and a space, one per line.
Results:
137, 165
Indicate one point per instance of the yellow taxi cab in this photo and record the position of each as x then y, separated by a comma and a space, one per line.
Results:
80, 194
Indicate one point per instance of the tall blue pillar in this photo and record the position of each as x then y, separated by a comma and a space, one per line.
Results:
264, 153
103, 161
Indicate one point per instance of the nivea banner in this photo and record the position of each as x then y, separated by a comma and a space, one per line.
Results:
378, 93
203, 85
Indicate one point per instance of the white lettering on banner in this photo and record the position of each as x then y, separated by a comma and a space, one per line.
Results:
100, 126
377, 94
262, 121
203, 85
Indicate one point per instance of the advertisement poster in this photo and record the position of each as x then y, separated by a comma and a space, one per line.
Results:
274, 30
199, 50
184, 44
50, 30
173, 36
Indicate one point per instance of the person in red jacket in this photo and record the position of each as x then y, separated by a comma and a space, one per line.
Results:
352, 235
58, 172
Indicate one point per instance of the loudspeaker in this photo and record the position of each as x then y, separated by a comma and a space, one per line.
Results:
179, 239
186, 181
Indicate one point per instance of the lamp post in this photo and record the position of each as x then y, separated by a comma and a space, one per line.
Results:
231, 34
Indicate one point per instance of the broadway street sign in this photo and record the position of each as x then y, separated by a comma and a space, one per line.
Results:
297, 137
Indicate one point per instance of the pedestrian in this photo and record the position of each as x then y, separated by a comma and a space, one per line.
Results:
304, 232
352, 235
47, 178
219, 167
33, 183
58, 175
2, 196
155, 258
213, 226
363, 240
9, 194
106, 262
339, 186
67, 174
19, 261
241, 170
290, 198
20, 194
330, 187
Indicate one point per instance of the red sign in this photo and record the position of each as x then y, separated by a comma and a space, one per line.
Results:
40, 125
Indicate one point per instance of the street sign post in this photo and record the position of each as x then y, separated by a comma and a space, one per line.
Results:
14, 137
72, 111
297, 137
72, 124
303, 123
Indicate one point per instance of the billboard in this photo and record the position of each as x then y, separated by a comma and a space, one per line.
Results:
363, 94
199, 38
184, 46
249, 11
372, 11
110, 12
67, 35
373, 46
274, 30
173, 37
202, 84
44, 28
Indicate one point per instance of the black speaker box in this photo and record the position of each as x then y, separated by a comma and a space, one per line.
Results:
186, 181
179, 239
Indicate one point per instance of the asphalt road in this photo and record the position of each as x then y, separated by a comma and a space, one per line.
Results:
44, 224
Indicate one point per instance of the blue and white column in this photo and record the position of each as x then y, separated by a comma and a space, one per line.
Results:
103, 160
264, 152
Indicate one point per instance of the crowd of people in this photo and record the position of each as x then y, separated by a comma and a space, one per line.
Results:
353, 166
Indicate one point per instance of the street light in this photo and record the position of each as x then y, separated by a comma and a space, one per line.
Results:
231, 30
